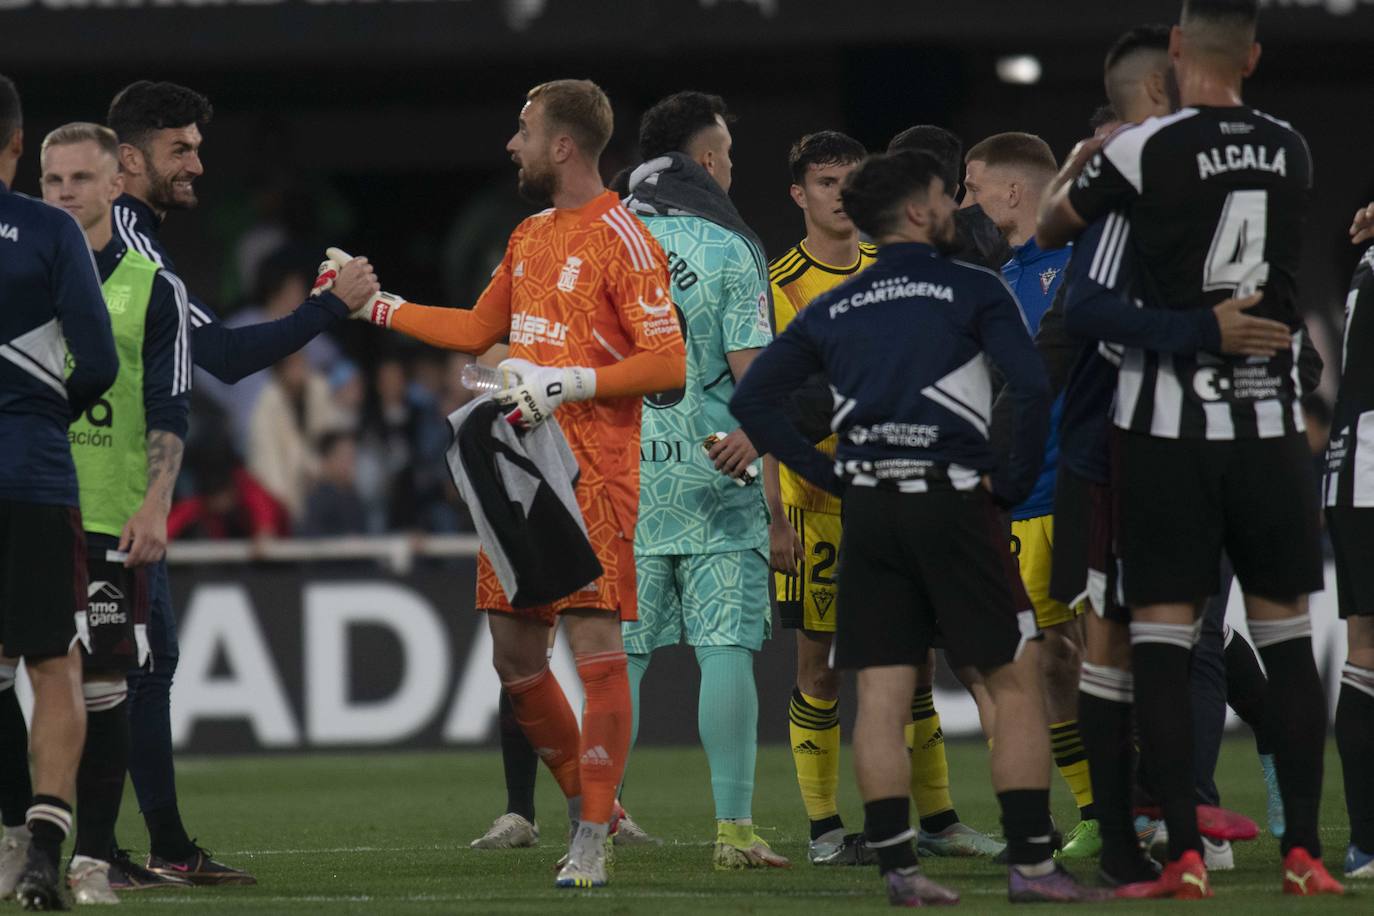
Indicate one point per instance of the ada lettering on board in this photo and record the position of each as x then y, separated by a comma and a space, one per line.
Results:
227, 671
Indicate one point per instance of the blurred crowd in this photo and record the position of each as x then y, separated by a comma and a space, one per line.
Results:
338, 439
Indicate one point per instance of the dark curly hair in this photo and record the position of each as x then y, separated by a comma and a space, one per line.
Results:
145, 107
671, 124
824, 147
876, 191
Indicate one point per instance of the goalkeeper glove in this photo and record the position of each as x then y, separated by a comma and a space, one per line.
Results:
540, 389
324, 278
379, 310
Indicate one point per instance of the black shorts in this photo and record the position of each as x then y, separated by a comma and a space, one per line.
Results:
912, 564
42, 578
1352, 541
1181, 502
1104, 567
115, 624
1072, 524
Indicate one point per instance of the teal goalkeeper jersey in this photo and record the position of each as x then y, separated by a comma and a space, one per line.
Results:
718, 289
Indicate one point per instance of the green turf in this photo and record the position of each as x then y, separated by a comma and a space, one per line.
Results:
388, 833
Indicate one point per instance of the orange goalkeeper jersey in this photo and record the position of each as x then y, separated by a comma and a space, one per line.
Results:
584, 287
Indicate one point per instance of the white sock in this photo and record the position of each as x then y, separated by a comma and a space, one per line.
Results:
1038, 870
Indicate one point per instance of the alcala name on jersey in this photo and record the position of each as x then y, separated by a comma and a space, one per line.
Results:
1240, 157
889, 289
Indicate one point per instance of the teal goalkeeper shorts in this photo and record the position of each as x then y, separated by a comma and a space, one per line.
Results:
709, 599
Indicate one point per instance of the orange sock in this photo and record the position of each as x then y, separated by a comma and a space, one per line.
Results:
548, 722
605, 731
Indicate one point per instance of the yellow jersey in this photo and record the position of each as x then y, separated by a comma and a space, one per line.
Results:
797, 278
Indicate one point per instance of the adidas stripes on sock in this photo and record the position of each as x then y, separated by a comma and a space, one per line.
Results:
929, 764
1072, 762
814, 732
605, 731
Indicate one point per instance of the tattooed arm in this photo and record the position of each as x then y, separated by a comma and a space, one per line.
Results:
145, 534
166, 409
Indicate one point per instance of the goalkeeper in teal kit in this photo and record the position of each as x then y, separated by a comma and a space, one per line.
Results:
702, 541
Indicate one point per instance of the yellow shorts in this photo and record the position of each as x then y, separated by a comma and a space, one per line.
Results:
1032, 543
807, 601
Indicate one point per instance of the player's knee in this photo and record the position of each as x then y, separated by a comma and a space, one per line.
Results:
1360, 638
511, 668
818, 681
1060, 656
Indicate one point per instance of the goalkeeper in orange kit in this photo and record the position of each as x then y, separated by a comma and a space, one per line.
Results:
582, 294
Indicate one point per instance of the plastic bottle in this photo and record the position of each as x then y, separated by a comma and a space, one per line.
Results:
482, 379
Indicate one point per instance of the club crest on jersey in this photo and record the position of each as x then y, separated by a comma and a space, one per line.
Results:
567, 277
1047, 279
823, 599
117, 299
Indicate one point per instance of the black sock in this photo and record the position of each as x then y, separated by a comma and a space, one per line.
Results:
1246, 689
1296, 716
520, 761
167, 837
1104, 723
1161, 660
1026, 825
942, 821
822, 827
16, 789
1355, 740
887, 828
100, 779
50, 820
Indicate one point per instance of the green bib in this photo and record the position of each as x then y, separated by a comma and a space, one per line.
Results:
110, 440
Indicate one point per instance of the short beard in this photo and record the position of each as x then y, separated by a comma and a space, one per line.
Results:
947, 242
161, 195
538, 189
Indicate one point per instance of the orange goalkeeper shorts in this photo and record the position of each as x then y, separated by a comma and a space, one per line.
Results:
614, 592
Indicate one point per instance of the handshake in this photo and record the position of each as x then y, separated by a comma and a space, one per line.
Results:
529, 393
353, 281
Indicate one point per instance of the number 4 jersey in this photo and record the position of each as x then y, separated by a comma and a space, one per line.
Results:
1217, 198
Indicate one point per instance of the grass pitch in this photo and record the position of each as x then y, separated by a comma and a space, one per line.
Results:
388, 833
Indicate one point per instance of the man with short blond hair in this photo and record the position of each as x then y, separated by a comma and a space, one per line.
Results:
1007, 175
127, 458
582, 293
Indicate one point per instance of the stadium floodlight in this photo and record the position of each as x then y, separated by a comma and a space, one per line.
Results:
1022, 69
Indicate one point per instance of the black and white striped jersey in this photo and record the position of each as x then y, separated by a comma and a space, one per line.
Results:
1217, 198
1350, 455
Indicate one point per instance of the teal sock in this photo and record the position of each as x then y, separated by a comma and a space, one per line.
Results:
638, 664
728, 720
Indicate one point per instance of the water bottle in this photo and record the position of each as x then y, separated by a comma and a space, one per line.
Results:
745, 477
484, 379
